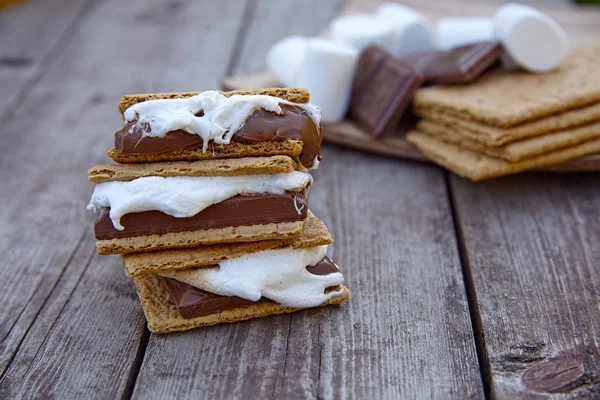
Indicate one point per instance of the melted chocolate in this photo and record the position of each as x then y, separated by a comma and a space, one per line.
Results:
262, 126
192, 302
249, 209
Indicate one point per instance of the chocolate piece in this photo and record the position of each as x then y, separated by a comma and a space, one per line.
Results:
192, 302
248, 209
262, 126
368, 64
420, 61
382, 91
323, 267
460, 65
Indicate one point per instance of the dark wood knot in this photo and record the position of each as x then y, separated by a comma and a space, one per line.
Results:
551, 376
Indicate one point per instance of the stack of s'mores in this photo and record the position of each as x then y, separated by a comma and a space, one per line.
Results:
207, 205
508, 122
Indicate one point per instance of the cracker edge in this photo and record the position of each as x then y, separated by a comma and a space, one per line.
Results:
294, 95
211, 167
230, 234
163, 317
291, 148
314, 233
480, 171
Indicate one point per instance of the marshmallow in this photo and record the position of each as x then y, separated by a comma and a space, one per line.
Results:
363, 30
460, 31
222, 116
285, 57
412, 32
327, 71
534, 40
186, 196
279, 275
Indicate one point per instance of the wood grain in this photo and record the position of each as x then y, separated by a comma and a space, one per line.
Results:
531, 244
32, 35
405, 331
63, 127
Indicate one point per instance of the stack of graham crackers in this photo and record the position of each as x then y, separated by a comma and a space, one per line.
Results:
207, 205
508, 122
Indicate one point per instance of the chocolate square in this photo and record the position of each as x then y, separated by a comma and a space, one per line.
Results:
383, 89
460, 65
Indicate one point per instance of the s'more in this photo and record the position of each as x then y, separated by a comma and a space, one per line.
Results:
207, 205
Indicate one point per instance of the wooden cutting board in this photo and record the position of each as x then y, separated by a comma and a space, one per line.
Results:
348, 134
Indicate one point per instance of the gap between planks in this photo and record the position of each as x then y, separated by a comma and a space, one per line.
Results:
145, 339
476, 322
56, 283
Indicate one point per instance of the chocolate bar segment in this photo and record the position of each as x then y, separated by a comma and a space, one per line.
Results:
262, 126
192, 302
420, 61
248, 209
382, 92
460, 65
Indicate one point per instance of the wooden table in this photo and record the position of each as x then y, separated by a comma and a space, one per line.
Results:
459, 289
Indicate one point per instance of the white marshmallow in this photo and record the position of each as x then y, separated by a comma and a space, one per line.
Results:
285, 57
222, 116
460, 31
327, 71
186, 196
362, 30
279, 275
533, 39
412, 31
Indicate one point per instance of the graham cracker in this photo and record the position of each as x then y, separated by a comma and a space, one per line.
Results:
248, 233
514, 151
476, 167
506, 99
291, 148
314, 233
163, 317
294, 95
223, 167
493, 136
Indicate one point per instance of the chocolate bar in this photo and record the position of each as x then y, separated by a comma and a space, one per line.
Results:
382, 91
460, 65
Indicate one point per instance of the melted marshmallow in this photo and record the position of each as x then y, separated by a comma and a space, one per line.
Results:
186, 196
279, 275
223, 116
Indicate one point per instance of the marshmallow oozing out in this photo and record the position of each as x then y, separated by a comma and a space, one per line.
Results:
222, 116
279, 275
186, 196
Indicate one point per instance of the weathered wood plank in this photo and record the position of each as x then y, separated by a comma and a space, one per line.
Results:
29, 39
531, 242
62, 128
406, 330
